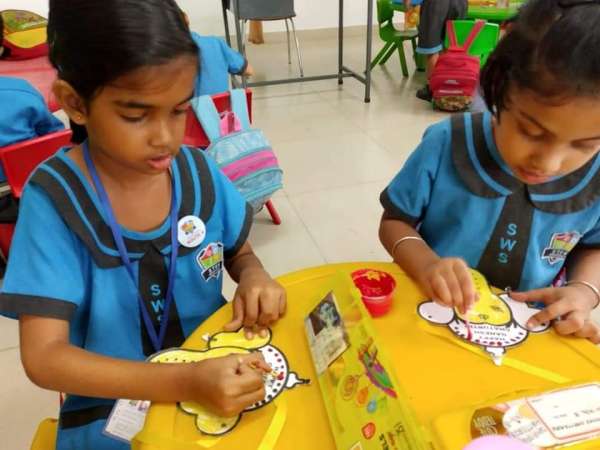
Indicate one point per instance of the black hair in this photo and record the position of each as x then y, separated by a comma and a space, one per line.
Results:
552, 50
92, 43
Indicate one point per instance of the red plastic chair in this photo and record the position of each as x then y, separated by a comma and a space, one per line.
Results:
196, 137
19, 161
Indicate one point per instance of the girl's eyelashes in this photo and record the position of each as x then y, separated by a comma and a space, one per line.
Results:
133, 119
534, 136
586, 148
182, 109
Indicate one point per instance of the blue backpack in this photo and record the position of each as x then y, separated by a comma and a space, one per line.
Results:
243, 153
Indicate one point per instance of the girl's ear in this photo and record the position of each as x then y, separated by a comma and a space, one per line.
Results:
70, 101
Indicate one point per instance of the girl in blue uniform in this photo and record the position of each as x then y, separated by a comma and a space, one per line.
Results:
220, 60
122, 240
24, 114
217, 61
516, 193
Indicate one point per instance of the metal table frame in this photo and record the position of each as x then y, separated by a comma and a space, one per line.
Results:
343, 71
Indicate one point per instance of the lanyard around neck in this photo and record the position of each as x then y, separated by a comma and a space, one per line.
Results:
157, 340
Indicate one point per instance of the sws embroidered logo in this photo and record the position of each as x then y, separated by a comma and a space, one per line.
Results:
560, 245
210, 260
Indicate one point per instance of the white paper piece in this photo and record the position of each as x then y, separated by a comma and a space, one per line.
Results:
126, 419
570, 413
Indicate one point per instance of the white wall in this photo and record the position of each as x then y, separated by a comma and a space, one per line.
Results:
205, 15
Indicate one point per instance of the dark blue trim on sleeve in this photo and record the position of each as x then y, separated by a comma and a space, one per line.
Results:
17, 304
393, 212
244, 232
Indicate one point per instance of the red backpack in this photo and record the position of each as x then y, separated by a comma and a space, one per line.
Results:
456, 73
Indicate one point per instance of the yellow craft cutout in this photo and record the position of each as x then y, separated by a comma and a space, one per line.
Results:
488, 308
224, 344
496, 322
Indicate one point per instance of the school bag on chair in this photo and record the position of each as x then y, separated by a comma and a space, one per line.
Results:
24, 35
456, 73
243, 153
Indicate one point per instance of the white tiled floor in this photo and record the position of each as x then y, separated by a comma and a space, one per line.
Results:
337, 152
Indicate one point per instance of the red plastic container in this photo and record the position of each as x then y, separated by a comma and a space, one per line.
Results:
376, 288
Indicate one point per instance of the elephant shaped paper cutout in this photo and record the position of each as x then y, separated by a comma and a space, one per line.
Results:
496, 322
227, 343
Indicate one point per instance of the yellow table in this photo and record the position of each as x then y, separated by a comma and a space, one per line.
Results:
438, 375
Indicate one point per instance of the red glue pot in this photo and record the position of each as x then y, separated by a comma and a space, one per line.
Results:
376, 288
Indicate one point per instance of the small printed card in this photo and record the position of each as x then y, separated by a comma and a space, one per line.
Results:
126, 419
327, 336
565, 416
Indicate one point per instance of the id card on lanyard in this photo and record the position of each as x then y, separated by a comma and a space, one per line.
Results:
157, 339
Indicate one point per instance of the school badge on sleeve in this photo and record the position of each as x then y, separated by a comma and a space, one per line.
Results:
560, 245
210, 260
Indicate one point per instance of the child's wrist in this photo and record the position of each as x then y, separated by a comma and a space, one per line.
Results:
587, 291
189, 379
253, 271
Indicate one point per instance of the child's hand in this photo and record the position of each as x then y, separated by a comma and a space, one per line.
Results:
568, 306
229, 384
448, 282
258, 303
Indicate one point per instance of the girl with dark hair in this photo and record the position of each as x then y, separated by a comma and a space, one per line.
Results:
514, 193
122, 240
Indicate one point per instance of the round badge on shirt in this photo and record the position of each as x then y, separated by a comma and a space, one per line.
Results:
191, 231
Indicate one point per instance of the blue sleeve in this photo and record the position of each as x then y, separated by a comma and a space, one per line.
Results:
236, 214
591, 239
236, 63
408, 195
45, 273
43, 121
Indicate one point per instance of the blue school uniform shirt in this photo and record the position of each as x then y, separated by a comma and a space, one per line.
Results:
64, 264
217, 60
23, 114
467, 203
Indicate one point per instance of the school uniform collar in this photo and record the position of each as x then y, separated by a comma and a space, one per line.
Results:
480, 166
78, 205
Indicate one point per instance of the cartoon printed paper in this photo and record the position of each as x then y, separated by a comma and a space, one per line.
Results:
495, 322
227, 343
374, 369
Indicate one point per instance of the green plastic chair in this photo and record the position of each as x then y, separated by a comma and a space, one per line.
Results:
484, 44
392, 37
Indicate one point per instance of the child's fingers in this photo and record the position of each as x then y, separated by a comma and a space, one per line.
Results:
544, 295
455, 291
589, 331
256, 361
253, 364
282, 303
570, 324
238, 315
248, 380
440, 290
549, 313
466, 283
251, 398
251, 308
269, 309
